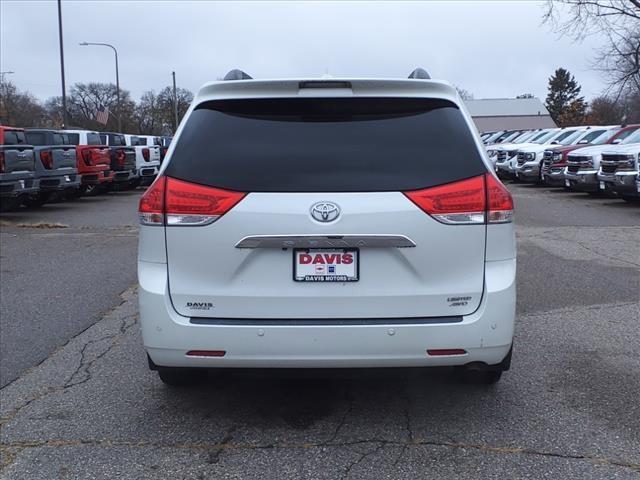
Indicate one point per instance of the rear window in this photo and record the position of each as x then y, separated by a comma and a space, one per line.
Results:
326, 145
14, 137
36, 138
114, 140
94, 139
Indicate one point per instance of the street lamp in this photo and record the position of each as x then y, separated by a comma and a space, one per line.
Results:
2, 74
84, 44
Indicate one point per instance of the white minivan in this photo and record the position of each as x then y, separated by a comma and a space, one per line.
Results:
327, 223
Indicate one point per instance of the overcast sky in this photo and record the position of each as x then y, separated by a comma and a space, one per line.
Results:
493, 49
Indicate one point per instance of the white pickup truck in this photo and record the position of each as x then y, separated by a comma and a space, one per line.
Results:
147, 158
619, 168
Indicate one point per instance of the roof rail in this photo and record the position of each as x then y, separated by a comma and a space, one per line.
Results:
237, 74
420, 73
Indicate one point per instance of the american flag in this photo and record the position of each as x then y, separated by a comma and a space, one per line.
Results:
102, 115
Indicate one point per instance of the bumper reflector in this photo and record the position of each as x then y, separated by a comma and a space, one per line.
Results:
441, 352
206, 353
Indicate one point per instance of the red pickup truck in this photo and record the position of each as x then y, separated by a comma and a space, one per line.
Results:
555, 158
93, 160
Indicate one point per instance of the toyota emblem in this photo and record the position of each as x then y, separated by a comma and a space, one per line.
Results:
325, 211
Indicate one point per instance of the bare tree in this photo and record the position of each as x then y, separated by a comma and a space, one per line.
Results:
20, 109
619, 22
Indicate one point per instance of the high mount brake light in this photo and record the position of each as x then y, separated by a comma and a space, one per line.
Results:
174, 202
476, 200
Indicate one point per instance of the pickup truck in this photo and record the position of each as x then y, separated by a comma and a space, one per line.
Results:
581, 172
17, 178
618, 170
147, 158
123, 159
529, 158
507, 157
164, 143
55, 165
555, 159
93, 162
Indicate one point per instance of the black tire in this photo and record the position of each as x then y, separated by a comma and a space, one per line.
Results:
135, 183
72, 194
37, 199
8, 204
480, 376
180, 377
630, 199
90, 190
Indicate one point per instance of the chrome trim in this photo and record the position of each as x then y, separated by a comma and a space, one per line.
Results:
325, 241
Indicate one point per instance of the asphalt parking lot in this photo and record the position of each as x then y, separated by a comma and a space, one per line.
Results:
79, 401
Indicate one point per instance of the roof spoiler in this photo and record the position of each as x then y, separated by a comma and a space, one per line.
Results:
237, 74
420, 73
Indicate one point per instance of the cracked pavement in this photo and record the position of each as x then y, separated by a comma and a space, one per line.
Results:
567, 409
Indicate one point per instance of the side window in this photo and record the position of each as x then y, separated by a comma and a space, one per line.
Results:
74, 138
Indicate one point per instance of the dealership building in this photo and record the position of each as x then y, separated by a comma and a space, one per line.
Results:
491, 114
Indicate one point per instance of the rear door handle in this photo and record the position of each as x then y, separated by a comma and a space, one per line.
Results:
326, 241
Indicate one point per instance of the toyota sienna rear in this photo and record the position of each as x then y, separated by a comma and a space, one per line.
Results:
327, 223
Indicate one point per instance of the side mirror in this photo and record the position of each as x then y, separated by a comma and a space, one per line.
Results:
582, 142
555, 142
616, 141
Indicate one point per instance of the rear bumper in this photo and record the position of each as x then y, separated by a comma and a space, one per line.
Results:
57, 182
15, 184
124, 176
486, 335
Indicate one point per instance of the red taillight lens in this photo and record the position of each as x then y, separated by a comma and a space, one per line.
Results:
176, 202
461, 202
47, 159
151, 207
145, 154
499, 201
86, 157
1, 161
475, 200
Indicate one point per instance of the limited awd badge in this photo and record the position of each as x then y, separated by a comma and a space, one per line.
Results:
325, 211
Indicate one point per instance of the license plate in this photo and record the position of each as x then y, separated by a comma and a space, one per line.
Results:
67, 178
326, 265
567, 183
21, 184
602, 186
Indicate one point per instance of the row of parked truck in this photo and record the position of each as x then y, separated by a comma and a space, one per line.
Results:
593, 159
38, 164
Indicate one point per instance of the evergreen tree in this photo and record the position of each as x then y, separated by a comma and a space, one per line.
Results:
564, 102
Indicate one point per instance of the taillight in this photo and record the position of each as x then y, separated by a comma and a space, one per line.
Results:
499, 201
145, 154
176, 202
1, 161
47, 159
475, 200
120, 156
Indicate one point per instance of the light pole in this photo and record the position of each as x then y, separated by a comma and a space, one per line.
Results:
175, 102
2, 74
64, 86
84, 44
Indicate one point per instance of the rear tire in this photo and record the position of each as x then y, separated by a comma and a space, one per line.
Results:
180, 377
8, 204
37, 199
479, 377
